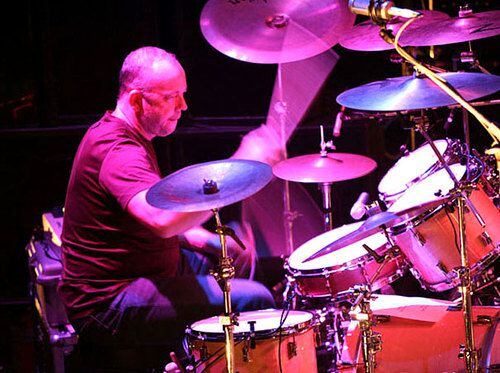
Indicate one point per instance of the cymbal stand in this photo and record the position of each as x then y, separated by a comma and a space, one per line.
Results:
326, 188
223, 274
371, 342
461, 191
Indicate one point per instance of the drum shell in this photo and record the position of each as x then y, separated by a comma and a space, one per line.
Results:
406, 343
297, 348
264, 358
327, 282
420, 156
430, 245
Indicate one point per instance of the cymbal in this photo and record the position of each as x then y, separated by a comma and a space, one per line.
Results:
365, 36
274, 31
313, 168
412, 93
375, 223
455, 30
184, 190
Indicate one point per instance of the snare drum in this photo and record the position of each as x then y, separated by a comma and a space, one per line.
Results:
260, 352
415, 166
431, 240
339, 270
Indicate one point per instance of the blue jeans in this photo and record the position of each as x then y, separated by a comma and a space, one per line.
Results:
155, 313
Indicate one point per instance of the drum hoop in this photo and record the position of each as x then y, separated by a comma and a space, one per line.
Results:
349, 265
259, 335
450, 144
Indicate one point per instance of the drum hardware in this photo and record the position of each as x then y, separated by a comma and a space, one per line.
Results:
325, 169
371, 342
224, 182
470, 352
460, 192
267, 340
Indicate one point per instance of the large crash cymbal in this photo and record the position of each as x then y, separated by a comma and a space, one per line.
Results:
313, 168
413, 93
455, 30
274, 31
374, 224
365, 36
185, 189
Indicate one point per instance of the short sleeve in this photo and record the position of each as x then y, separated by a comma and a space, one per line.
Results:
127, 169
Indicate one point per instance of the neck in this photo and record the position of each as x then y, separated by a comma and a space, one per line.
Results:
131, 121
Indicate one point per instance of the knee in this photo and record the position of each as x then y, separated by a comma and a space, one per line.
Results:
250, 295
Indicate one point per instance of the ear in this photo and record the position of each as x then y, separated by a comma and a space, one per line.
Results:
135, 100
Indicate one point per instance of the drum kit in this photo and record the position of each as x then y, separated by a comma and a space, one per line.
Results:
438, 206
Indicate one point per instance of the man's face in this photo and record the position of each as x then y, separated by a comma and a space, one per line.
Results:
163, 100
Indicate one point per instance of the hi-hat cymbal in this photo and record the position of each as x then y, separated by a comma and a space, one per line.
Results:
185, 190
374, 224
313, 168
365, 36
455, 30
274, 31
413, 93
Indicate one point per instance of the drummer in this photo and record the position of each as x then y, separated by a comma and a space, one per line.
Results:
125, 281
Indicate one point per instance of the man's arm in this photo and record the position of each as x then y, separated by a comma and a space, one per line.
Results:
162, 222
259, 144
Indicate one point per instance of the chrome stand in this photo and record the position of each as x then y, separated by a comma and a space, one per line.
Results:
223, 275
460, 192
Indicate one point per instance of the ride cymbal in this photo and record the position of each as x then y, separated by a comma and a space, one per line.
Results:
455, 30
365, 36
417, 92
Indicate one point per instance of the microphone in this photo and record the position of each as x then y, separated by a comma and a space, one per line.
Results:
380, 10
449, 121
338, 122
358, 209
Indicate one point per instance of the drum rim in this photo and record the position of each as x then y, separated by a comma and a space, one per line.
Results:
259, 335
349, 265
432, 168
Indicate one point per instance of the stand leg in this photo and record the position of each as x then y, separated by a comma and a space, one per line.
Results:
223, 278
326, 191
470, 353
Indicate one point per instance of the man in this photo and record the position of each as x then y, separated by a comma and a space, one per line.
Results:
121, 259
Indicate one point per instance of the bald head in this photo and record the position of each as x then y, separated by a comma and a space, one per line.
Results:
143, 67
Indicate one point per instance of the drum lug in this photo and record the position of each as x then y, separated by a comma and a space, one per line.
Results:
376, 342
292, 349
418, 277
486, 238
203, 353
420, 238
442, 267
246, 354
484, 320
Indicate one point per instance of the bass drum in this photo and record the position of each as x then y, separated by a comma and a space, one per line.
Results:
414, 167
339, 270
263, 349
413, 346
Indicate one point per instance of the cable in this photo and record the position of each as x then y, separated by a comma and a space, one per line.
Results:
490, 127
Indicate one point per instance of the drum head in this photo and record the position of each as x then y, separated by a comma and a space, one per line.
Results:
265, 321
409, 168
338, 258
434, 187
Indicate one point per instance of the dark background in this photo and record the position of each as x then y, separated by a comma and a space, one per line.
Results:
59, 63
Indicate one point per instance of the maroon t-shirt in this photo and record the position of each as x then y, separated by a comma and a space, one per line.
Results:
104, 248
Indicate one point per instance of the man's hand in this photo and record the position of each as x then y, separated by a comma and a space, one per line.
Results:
261, 144
208, 243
